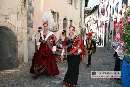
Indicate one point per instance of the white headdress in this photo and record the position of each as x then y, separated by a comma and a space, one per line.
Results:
47, 16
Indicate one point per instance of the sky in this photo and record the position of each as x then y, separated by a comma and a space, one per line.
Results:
92, 3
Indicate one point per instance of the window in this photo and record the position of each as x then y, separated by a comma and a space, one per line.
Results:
24, 2
116, 8
75, 3
71, 22
86, 3
56, 20
125, 2
71, 2
103, 11
65, 23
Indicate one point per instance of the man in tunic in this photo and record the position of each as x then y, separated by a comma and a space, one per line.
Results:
91, 47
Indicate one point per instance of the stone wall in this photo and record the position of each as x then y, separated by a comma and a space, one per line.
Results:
13, 15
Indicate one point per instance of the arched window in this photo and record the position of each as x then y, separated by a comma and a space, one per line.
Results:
75, 3
56, 20
71, 22
65, 23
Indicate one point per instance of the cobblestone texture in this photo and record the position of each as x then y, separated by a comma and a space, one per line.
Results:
101, 60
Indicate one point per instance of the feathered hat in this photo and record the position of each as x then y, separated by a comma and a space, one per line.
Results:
47, 16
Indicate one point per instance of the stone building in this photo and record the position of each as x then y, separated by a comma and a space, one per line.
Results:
13, 33
65, 13
91, 21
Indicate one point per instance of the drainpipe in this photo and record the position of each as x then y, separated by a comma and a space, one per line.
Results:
80, 14
82, 5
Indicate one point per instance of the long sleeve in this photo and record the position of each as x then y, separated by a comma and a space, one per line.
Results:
54, 48
64, 46
82, 46
63, 51
53, 38
78, 46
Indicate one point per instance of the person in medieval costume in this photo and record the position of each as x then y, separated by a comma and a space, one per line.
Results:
37, 37
75, 51
91, 47
119, 48
64, 46
44, 61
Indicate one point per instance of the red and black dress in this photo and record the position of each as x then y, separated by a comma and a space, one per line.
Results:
44, 61
73, 59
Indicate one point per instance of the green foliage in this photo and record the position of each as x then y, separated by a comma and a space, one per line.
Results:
126, 33
128, 14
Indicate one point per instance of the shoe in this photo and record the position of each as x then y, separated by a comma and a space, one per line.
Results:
117, 79
88, 65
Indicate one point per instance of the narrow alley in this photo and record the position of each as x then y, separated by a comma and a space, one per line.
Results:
102, 60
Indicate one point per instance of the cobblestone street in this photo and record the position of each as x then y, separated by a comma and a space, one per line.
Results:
102, 60
49, 28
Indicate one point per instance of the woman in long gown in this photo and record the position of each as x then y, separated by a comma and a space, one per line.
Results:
75, 51
44, 60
